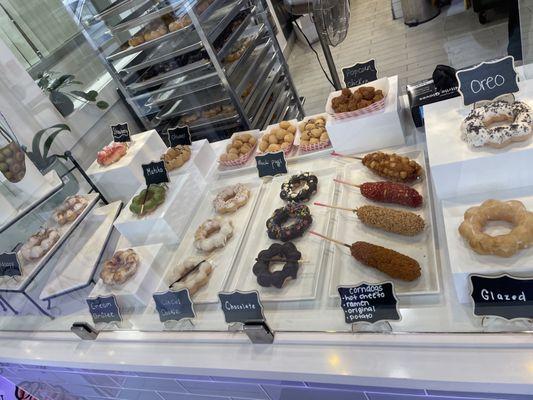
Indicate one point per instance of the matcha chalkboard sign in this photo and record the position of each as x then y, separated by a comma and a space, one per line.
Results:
502, 296
360, 73
10, 265
488, 80
155, 173
121, 133
241, 306
369, 302
174, 306
271, 164
104, 309
180, 135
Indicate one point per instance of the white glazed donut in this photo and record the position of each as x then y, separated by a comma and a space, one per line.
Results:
39, 244
476, 129
231, 198
195, 280
213, 234
69, 210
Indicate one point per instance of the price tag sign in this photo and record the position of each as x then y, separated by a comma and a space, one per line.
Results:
488, 80
271, 164
502, 296
10, 265
104, 309
369, 302
121, 132
241, 306
155, 173
180, 135
360, 73
174, 306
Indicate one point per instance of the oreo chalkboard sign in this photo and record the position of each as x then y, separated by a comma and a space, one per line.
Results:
502, 296
174, 306
179, 135
104, 309
10, 265
488, 80
369, 302
241, 306
271, 164
121, 133
155, 173
360, 73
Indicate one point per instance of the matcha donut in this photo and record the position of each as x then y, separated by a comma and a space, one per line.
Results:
155, 196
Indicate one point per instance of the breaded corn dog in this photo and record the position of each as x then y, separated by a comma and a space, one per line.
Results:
395, 221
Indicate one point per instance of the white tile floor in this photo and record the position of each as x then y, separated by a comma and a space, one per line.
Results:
454, 38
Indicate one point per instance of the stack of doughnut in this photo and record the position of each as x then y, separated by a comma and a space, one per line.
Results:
176, 156
213, 234
358, 99
39, 244
111, 153
120, 268
240, 147
278, 138
148, 200
232, 198
194, 280
70, 209
393, 166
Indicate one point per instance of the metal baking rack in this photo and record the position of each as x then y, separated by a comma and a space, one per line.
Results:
164, 81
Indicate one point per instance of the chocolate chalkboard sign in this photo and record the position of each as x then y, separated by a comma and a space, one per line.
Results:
155, 173
488, 80
174, 306
271, 164
369, 302
121, 132
360, 73
241, 306
180, 135
502, 296
10, 265
104, 309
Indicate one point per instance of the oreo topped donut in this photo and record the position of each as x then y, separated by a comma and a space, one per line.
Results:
286, 253
278, 228
299, 188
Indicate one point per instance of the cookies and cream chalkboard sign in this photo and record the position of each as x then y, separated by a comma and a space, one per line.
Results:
271, 164
369, 302
121, 133
502, 296
241, 306
155, 173
488, 80
180, 135
174, 306
10, 265
360, 73
104, 309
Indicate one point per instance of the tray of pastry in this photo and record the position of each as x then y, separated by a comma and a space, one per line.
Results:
411, 238
257, 39
280, 100
260, 117
220, 121
258, 99
221, 19
119, 7
256, 67
236, 34
284, 110
257, 85
205, 8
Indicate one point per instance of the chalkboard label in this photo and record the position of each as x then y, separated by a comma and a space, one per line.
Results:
121, 132
271, 164
360, 73
488, 80
104, 309
241, 307
10, 265
369, 302
155, 173
174, 306
179, 135
502, 296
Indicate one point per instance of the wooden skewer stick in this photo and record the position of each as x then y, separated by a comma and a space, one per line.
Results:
344, 156
346, 183
336, 207
274, 260
144, 199
330, 239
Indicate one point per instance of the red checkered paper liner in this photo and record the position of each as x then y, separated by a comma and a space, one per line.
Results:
239, 161
315, 146
372, 108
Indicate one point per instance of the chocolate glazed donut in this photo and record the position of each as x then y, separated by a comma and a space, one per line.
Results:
299, 188
277, 229
277, 252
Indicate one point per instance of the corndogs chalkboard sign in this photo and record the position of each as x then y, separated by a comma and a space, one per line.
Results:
180, 135
121, 133
174, 306
241, 306
502, 296
369, 302
271, 164
488, 80
360, 73
155, 173
104, 309
10, 265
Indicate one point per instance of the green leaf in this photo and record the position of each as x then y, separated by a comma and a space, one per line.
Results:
36, 142
89, 96
50, 139
57, 83
102, 105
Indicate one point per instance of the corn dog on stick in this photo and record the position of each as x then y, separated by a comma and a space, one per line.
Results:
395, 221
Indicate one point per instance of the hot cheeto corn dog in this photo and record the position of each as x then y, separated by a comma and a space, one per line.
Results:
390, 192
395, 221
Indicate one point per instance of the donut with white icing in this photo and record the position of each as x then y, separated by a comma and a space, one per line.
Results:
497, 124
70, 209
231, 198
213, 234
192, 274
39, 244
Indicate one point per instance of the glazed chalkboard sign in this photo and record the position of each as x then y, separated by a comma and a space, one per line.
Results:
155, 173
502, 296
104, 309
10, 265
369, 302
271, 164
241, 306
121, 132
360, 73
174, 306
179, 135
488, 80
